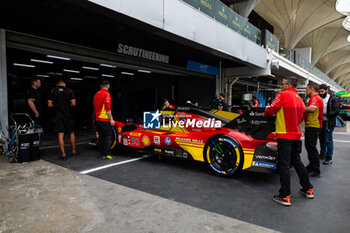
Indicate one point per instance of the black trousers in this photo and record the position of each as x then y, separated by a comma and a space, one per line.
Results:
105, 133
289, 152
311, 136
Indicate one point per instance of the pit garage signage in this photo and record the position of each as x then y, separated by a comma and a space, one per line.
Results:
142, 53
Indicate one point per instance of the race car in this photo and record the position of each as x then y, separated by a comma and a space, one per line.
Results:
226, 141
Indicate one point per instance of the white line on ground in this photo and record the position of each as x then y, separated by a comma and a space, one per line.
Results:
112, 165
335, 140
342, 133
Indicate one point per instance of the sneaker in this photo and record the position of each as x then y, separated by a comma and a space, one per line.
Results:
75, 154
308, 194
315, 174
111, 157
282, 201
327, 162
321, 157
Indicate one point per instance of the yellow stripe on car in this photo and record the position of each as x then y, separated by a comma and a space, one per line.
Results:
195, 151
248, 157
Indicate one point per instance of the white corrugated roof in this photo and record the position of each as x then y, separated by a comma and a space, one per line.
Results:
312, 23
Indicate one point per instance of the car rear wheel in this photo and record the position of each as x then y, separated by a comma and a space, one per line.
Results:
223, 154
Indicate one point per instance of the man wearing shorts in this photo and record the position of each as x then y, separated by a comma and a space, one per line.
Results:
62, 99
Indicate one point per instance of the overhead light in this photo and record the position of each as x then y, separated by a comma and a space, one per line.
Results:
348, 39
90, 77
24, 65
144, 71
108, 75
57, 57
90, 68
346, 23
78, 79
41, 61
343, 6
72, 71
53, 73
127, 73
42, 75
107, 65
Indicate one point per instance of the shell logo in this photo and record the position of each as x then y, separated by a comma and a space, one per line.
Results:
145, 140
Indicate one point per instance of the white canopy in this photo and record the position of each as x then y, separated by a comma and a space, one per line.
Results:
315, 24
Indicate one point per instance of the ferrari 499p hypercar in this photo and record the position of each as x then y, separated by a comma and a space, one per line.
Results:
226, 141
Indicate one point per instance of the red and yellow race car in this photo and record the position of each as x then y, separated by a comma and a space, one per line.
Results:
226, 141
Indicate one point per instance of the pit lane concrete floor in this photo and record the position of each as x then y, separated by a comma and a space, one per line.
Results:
245, 197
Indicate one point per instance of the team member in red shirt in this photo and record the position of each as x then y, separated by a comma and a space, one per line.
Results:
167, 105
313, 126
104, 120
289, 108
255, 102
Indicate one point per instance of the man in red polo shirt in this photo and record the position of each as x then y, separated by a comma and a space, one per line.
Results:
104, 120
289, 109
313, 126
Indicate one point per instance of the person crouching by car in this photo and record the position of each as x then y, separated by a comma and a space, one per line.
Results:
104, 120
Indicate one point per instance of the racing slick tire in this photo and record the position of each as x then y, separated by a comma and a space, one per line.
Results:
223, 154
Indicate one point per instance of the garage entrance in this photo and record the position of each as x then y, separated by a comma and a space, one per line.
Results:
134, 88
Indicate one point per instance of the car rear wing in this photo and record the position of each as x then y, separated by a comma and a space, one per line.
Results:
252, 122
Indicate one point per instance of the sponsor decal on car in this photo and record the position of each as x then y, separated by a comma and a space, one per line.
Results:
168, 141
185, 155
119, 138
119, 129
169, 152
264, 164
158, 150
188, 140
156, 140
145, 140
125, 141
269, 157
135, 134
